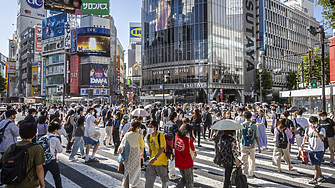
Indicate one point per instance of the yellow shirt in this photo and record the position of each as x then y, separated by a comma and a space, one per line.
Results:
153, 145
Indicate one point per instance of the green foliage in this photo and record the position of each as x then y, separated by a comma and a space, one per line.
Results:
291, 80
266, 83
316, 67
3, 83
328, 12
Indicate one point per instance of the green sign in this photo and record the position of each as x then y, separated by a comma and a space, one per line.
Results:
99, 7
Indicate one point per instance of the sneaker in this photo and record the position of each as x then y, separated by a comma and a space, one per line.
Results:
73, 159
331, 164
82, 156
313, 181
174, 176
321, 179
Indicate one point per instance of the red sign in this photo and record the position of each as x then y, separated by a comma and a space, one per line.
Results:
332, 59
74, 41
38, 38
118, 71
74, 76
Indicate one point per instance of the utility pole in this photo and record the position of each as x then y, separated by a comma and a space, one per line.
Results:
322, 33
310, 63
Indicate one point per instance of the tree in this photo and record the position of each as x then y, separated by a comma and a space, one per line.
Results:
316, 67
266, 83
328, 12
291, 80
3, 83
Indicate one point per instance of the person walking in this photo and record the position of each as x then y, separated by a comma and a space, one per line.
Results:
124, 127
184, 161
11, 130
132, 166
216, 134
329, 141
69, 124
42, 127
247, 139
78, 136
157, 164
170, 131
89, 133
282, 135
195, 122
302, 122
108, 128
260, 122
207, 122
315, 134
115, 131
239, 118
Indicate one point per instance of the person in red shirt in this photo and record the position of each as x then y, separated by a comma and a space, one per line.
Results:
183, 144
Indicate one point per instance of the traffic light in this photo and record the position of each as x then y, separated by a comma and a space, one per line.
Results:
314, 81
68, 6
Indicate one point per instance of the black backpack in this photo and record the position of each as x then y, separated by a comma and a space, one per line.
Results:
299, 129
165, 112
14, 170
2, 131
281, 141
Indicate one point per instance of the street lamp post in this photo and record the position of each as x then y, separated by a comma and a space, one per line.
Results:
260, 70
314, 32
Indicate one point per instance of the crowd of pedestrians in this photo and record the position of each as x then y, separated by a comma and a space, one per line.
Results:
160, 141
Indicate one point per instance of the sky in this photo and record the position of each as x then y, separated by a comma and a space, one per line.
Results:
123, 11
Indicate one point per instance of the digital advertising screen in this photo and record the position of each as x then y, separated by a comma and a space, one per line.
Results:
93, 45
98, 74
54, 26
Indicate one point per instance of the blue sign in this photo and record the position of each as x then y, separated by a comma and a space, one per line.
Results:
54, 12
113, 80
36, 4
261, 26
44, 70
54, 26
93, 30
135, 32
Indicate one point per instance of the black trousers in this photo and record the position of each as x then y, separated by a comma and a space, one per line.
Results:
228, 171
116, 140
54, 170
69, 143
197, 130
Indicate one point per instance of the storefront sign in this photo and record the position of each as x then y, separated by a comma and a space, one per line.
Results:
44, 65
67, 36
38, 39
53, 46
98, 7
74, 41
195, 85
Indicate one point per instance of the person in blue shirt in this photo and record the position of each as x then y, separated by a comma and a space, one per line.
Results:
216, 134
260, 122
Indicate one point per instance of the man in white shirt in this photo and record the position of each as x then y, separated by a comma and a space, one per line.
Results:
239, 118
302, 122
55, 148
315, 134
91, 122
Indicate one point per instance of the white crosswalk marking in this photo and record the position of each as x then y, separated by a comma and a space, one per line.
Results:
206, 173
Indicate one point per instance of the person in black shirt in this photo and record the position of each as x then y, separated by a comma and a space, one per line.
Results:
289, 124
153, 112
30, 117
329, 140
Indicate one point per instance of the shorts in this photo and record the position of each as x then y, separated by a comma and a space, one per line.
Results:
91, 141
315, 157
331, 142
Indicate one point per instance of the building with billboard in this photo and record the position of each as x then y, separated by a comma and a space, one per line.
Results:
132, 60
3, 60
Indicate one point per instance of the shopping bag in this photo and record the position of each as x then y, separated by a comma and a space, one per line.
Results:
121, 168
236, 172
241, 181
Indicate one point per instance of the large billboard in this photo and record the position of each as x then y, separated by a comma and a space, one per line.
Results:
99, 75
135, 32
93, 41
99, 7
38, 39
31, 8
54, 26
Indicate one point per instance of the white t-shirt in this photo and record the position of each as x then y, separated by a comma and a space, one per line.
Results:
90, 126
303, 122
55, 145
314, 142
51, 111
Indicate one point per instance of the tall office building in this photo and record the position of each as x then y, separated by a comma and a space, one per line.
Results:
197, 45
286, 34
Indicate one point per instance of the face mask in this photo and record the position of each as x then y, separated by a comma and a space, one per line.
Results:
239, 113
150, 130
323, 118
315, 125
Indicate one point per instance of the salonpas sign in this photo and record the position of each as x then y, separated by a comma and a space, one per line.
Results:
99, 7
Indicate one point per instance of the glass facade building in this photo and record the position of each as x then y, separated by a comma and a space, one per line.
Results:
197, 45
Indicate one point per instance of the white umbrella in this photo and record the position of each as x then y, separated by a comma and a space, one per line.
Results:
221, 103
213, 102
148, 106
227, 124
200, 103
139, 112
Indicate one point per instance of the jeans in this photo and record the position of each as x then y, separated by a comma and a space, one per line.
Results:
69, 143
54, 170
77, 144
228, 171
197, 130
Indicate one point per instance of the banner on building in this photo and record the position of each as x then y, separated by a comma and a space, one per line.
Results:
67, 36
11, 84
249, 42
38, 39
261, 26
12, 50
44, 68
34, 70
54, 26
74, 76
135, 32
74, 41
99, 75
98, 7
118, 79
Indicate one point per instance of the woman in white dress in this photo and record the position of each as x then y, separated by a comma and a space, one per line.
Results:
132, 166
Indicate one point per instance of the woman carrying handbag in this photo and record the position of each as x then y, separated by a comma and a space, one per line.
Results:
184, 149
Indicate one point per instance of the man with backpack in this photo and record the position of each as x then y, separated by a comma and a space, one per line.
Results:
157, 164
52, 146
300, 123
170, 131
165, 114
246, 139
103, 113
207, 122
159, 117
30, 162
153, 112
9, 131
315, 134
329, 141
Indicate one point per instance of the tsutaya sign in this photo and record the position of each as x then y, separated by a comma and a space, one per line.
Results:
249, 42
195, 85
